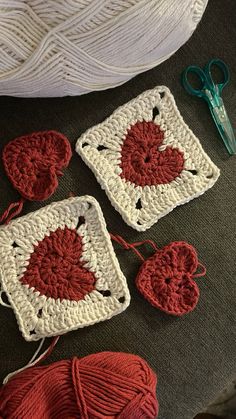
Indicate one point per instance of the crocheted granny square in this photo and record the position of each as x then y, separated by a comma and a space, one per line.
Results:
147, 159
59, 270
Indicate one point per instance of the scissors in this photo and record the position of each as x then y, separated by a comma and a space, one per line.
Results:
211, 93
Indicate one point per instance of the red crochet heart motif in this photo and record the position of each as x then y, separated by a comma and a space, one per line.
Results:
34, 161
166, 279
141, 161
55, 268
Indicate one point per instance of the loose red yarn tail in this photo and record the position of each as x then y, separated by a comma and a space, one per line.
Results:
202, 273
8, 215
48, 351
125, 245
132, 246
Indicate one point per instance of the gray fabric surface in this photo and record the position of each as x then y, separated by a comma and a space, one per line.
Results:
194, 356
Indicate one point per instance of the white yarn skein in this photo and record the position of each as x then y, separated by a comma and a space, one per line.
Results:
72, 47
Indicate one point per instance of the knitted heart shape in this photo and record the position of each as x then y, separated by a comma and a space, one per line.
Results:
142, 162
33, 162
55, 268
166, 279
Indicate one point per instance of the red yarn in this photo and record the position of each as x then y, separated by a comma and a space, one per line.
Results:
141, 161
104, 385
55, 268
33, 162
132, 246
8, 215
166, 278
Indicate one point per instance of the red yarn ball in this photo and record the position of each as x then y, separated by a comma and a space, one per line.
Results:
103, 385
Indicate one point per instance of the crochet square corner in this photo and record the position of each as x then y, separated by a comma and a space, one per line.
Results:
59, 270
147, 159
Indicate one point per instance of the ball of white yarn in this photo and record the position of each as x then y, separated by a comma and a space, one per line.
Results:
71, 47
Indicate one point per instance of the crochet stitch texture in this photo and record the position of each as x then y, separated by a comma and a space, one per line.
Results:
147, 159
59, 270
166, 279
33, 162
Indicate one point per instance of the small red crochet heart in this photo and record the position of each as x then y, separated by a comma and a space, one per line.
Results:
33, 162
166, 279
142, 162
55, 268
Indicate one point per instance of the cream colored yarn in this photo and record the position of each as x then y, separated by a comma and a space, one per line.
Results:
71, 47
101, 146
38, 315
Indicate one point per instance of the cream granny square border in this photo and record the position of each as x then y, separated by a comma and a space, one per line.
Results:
17, 241
100, 148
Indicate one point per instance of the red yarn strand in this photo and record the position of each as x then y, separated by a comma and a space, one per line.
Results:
202, 273
48, 352
6, 216
127, 246
137, 244
79, 390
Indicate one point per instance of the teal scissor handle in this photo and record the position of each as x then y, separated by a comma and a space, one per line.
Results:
224, 70
209, 90
194, 69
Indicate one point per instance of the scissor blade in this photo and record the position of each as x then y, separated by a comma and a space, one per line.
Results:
225, 128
